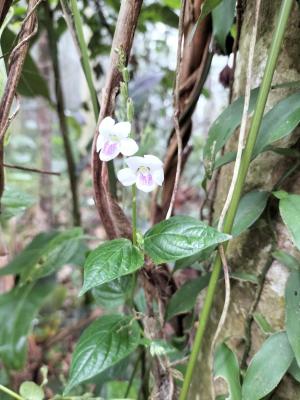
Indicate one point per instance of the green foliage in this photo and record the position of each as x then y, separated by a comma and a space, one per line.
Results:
196, 258
31, 391
286, 259
114, 293
292, 312
263, 324
223, 16
294, 370
45, 254
289, 206
267, 367
110, 261
180, 237
104, 343
250, 208
14, 202
208, 6
31, 83
224, 126
17, 311
159, 13
279, 122
184, 299
226, 366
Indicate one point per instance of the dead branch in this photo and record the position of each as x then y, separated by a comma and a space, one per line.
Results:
34, 170
15, 68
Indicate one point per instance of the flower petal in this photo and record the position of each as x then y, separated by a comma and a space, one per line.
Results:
106, 126
152, 162
101, 139
109, 151
128, 147
126, 176
135, 162
158, 176
121, 129
145, 182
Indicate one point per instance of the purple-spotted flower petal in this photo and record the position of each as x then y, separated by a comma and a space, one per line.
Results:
146, 172
113, 139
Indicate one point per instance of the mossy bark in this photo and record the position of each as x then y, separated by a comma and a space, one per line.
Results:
251, 251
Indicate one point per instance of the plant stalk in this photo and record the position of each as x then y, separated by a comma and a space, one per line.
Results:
265, 87
10, 393
74, 22
84, 57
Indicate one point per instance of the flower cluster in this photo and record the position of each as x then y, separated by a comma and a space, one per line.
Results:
145, 172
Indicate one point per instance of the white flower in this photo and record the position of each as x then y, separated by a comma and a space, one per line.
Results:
146, 172
114, 139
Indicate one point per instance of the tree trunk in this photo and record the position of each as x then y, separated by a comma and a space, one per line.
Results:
251, 251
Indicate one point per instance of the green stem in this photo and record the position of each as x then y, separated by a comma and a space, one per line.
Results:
134, 371
245, 162
134, 218
84, 57
73, 17
11, 393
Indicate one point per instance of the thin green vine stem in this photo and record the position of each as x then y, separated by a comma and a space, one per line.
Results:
84, 57
265, 86
11, 393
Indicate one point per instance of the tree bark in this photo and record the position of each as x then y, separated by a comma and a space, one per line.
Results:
251, 251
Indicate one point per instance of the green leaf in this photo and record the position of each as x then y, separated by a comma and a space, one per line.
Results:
180, 237
172, 3
294, 370
45, 254
225, 125
183, 300
110, 261
264, 325
17, 311
208, 6
159, 13
223, 16
104, 343
15, 202
31, 391
113, 294
292, 312
279, 122
249, 210
267, 367
226, 366
224, 159
198, 257
286, 259
289, 207
244, 277
31, 82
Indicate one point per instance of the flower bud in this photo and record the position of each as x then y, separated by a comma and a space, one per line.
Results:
124, 90
130, 109
125, 74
